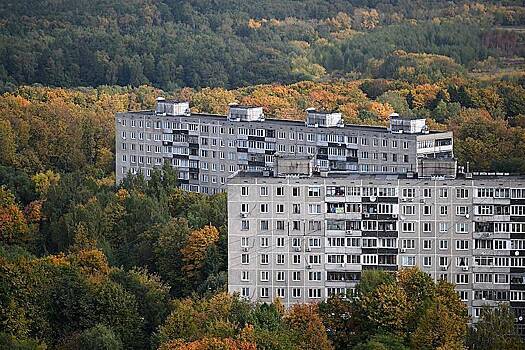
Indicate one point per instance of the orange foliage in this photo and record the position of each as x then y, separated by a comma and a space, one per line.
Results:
194, 253
209, 344
305, 320
13, 224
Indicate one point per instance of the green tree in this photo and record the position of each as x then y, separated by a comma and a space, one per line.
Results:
495, 330
7, 144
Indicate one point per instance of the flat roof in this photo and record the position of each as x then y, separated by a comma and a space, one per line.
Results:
287, 122
387, 177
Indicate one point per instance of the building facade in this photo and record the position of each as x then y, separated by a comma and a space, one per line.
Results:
304, 238
208, 149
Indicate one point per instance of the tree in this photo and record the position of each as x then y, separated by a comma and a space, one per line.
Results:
386, 309
304, 320
439, 328
194, 254
495, 330
45, 180
383, 341
7, 144
99, 337
13, 225
339, 320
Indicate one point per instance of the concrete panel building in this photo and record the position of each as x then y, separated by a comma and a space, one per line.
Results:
303, 238
207, 149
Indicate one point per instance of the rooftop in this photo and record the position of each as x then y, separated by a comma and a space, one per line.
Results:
283, 122
387, 177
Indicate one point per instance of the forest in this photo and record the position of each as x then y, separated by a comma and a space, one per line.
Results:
88, 264
173, 44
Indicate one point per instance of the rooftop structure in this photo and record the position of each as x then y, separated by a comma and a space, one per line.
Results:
206, 149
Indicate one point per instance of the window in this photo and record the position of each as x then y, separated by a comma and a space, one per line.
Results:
408, 192
280, 241
443, 244
279, 191
314, 208
462, 278
461, 227
296, 208
408, 260
296, 191
265, 259
279, 277
280, 292
427, 227
443, 193
408, 226
443, 210
427, 261
427, 244
264, 208
314, 275
245, 276
462, 193
280, 259
245, 242
265, 242
245, 292
314, 293
280, 208
296, 276
314, 191
427, 192
280, 225
263, 292
408, 244
244, 190
462, 244
245, 259
264, 191
409, 209
245, 225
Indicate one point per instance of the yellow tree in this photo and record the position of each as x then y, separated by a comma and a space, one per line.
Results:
44, 180
386, 309
305, 321
195, 251
13, 224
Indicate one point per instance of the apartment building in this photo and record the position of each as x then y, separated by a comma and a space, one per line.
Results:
206, 149
303, 238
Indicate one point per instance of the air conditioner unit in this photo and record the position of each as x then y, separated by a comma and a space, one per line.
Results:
243, 215
366, 215
394, 216
403, 250
403, 199
467, 215
342, 265
309, 266
444, 268
465, 268
245, 249
308, 249
349, 232
297, 249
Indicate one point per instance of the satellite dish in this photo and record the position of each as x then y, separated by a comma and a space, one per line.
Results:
372, 198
